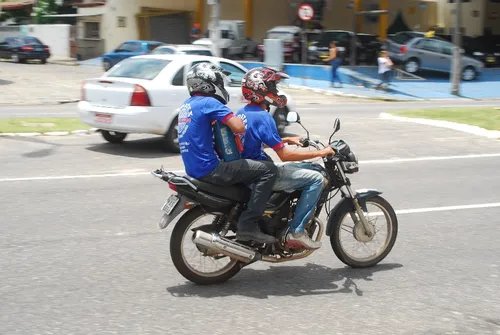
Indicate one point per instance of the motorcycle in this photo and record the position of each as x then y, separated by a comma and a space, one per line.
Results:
216, 241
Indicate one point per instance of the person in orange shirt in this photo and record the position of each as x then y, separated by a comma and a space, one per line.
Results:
195, 32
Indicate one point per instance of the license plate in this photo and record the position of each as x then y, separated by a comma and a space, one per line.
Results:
324, 55
103, 118
170, 204
490, 60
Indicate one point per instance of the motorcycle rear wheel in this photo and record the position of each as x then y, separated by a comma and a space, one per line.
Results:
335, 239
180, 233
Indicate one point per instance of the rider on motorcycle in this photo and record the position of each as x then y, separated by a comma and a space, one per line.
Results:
259, 88
208, 100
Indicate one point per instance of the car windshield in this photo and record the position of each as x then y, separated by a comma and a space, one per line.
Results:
138, 68
280, 35
198, 52
30, 40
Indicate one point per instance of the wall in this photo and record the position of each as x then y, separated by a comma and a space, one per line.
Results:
492, 18
473, 25
56, 36
115, 35
9, 32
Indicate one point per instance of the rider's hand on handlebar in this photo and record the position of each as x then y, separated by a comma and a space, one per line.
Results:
293, 140
328, 151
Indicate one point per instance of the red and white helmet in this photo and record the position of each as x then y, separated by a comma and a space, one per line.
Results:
259, 85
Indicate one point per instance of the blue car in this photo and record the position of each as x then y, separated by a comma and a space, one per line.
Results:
126, 50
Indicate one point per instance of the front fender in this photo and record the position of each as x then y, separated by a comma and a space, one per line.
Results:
345, 205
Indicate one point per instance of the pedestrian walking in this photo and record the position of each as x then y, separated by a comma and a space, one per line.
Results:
335, 60
385, 65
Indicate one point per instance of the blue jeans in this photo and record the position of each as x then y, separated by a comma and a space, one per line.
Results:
335, 65
307, 178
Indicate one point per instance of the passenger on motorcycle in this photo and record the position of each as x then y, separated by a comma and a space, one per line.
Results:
208, 100
259, 87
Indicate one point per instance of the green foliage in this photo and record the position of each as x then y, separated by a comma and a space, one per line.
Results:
42, 8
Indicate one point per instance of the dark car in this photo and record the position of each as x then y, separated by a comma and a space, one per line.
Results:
19, 49
128, 49
367, 46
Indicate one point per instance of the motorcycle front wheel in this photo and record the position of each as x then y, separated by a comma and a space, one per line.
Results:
348, 228
184, 259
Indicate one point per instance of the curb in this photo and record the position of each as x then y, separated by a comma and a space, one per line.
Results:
466, 128
40, 103
349, 95
52, 133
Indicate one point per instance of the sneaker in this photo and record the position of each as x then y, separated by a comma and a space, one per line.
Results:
302, 240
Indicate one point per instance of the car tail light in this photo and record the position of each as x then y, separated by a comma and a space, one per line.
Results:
403, 49
26, 48
47, 49
83, 97
172, 187
140, 97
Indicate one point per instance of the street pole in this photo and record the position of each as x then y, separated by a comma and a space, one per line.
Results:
352, 58
456, 70
214, 29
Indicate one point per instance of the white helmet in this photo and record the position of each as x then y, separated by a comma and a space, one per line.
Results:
208, 79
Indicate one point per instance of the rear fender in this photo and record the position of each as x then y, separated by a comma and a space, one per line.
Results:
345, 205
179, 208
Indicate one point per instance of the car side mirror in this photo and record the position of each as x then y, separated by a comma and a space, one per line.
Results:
293, 117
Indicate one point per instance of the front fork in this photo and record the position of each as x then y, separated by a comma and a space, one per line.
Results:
369, 229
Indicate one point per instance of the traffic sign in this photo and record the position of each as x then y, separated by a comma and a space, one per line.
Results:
305, 12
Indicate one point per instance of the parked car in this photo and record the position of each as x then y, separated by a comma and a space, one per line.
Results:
291, 42
19, 49
436, 55
186, 49
233, 41
142, 94
394, 42
367, 46
126, 50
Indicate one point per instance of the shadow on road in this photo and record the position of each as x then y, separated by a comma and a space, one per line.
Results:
296, 281
141, 148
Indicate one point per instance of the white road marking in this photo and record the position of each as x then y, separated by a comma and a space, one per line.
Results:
427, 158
439, 209
148, 172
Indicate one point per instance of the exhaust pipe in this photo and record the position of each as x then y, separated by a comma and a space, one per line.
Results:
224, 246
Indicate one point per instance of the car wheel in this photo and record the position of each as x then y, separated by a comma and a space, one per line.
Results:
15, 58
43, 61
113, 136
412, 65
280, 119
171, 138
469, 73
106, 64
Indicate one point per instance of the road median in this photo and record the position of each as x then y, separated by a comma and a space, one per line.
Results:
43, 126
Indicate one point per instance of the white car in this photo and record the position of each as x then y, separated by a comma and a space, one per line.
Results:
187, 49
142, 94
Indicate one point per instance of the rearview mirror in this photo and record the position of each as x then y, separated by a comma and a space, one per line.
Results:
336, 128
336, 125
292, 117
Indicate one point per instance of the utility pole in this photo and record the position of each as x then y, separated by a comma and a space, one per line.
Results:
456, 70
214, 26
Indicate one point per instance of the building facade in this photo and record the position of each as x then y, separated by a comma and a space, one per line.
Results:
113, 21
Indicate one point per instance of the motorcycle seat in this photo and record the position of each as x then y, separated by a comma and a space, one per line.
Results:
240, 192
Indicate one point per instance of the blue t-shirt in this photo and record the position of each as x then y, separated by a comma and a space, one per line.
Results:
195, 133
260, 129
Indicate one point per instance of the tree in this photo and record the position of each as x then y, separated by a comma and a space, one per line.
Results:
43, 8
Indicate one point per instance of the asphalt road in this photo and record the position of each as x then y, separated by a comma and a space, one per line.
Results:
306, 101
82, 253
